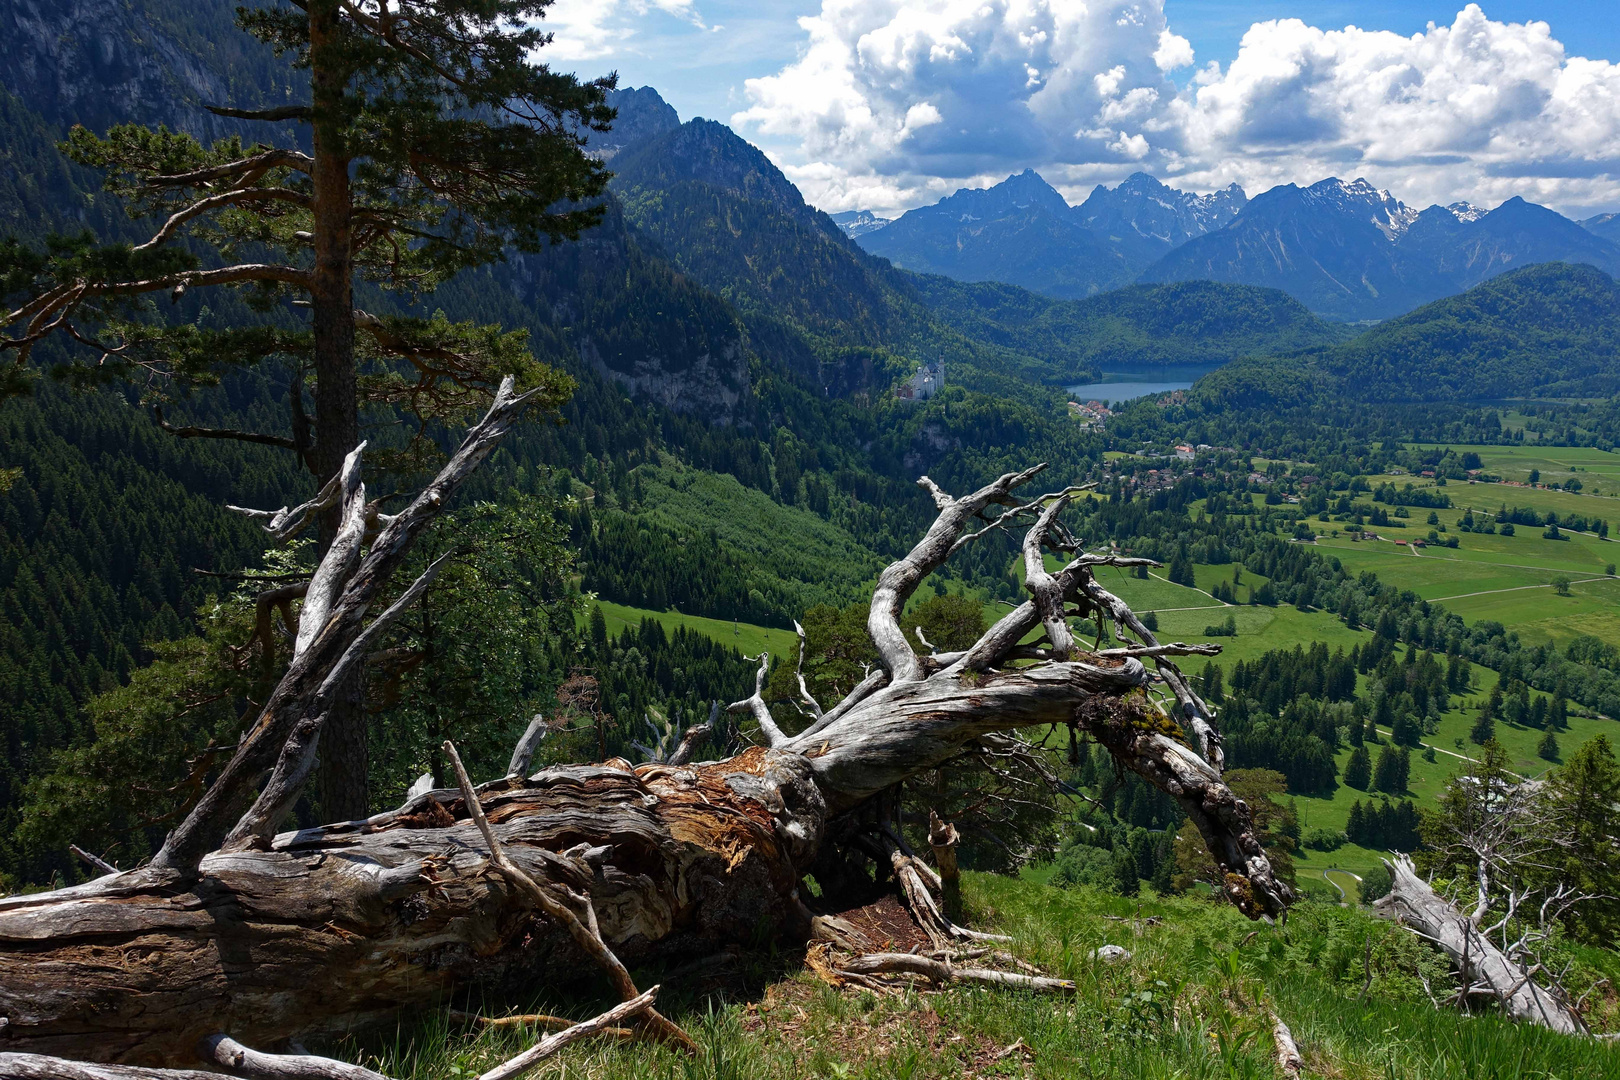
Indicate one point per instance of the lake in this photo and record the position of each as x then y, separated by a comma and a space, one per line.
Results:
1117, 386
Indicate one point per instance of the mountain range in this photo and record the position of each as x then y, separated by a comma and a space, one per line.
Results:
718, 210
1023, 232
1347, 250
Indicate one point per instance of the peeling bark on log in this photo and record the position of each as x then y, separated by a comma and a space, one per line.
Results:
328, 928
340, 926
1413, 904
942, 838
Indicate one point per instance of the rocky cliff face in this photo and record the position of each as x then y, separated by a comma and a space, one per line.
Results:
101, 62
635, 320
1143, 209
643, 115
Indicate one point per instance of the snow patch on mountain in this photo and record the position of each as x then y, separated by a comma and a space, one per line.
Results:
859, 222
1358, 198
1143, 205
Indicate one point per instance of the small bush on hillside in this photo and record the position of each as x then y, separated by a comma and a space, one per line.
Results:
1325, 839
1375, 884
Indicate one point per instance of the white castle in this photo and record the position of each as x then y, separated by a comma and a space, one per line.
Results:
928, 381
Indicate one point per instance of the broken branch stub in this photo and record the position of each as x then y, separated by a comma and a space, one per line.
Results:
942, 838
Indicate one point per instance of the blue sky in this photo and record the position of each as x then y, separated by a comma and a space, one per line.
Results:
702, 72
891, 103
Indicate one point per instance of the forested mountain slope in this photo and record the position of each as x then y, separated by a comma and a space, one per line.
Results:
717, 208
1551, 330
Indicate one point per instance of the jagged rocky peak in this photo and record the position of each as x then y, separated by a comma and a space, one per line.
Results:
1145, 205
1359, 198
643, 115
858, 222
1466, 212
1019, 192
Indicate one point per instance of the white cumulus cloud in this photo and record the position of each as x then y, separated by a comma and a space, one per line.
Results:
1013, 83
1478, 109
592, 29
1174, 51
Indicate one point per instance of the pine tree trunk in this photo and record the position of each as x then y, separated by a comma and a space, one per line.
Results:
342, 788
341, 785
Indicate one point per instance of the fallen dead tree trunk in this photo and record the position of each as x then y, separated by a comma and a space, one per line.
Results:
274, 936
1482, 967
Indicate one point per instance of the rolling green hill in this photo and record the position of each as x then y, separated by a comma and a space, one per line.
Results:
1551, 330
1546, 331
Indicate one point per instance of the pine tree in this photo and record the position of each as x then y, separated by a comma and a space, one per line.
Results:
1547, 748
1586, 792
1358, 770
1390, 774
1484, 729
1494, 702
1356, 828
431, 143
1126, 880
1558, 713
1405, 730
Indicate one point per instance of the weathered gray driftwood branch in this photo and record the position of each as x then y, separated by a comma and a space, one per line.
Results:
302, 932
1413, 903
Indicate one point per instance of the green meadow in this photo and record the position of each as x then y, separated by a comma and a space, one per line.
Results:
1594, 467
746, 637
1506, 579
